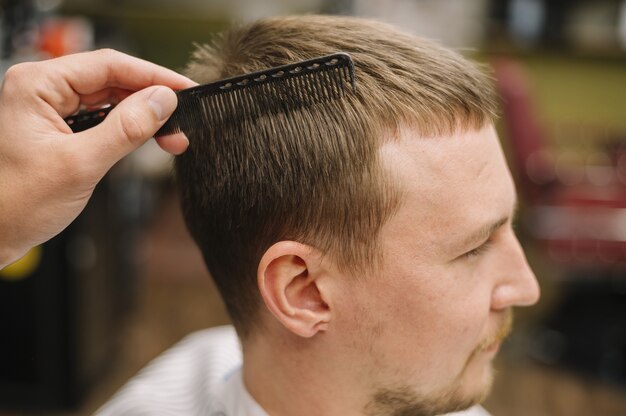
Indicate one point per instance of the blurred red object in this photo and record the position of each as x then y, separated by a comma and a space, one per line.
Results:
63, 36
579, 222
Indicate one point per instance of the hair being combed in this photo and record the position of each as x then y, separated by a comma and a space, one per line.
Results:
312, 175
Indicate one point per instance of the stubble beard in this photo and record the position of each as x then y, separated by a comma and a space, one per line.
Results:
404, 401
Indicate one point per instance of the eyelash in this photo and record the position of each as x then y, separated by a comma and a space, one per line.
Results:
478, 250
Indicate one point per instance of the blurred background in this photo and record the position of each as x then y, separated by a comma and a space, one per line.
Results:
84, 312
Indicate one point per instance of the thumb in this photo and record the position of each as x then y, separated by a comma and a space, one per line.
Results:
129, 125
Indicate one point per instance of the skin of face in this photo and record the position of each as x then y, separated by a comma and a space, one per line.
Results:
423, 328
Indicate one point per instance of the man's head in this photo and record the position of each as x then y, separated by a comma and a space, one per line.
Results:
353, 224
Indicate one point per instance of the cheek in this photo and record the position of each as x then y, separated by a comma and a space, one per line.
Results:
436, 322
416, 327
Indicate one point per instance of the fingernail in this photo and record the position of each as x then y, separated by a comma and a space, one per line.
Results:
163, 102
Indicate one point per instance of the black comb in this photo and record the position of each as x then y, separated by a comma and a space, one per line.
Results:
279, 89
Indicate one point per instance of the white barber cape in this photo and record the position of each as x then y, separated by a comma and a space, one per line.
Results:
201, 375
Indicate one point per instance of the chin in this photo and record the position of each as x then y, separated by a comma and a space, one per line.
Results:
470, 394
476, 383
470, 389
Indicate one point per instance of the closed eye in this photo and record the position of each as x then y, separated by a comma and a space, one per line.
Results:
478, 250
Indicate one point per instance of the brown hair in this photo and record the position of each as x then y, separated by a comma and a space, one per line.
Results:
312, 175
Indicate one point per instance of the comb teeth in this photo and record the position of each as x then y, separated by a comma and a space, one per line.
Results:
279, 89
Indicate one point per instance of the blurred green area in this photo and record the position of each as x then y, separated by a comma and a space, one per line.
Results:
579, 90
164, 38
168, 42
570, 90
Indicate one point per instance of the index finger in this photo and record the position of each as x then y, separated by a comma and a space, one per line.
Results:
89, 72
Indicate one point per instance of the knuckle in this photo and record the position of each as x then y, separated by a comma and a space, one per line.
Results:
108, 53
17, 73
132, 128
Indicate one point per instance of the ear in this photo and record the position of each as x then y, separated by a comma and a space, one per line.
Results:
289, 277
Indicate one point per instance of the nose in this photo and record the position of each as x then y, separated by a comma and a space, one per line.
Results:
517, 284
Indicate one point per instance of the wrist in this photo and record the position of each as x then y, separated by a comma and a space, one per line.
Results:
5, 257
8, 255
9, 247
4, 260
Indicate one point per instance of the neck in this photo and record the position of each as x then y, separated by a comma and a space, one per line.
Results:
289, 375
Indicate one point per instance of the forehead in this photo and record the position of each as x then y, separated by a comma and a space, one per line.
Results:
450, 184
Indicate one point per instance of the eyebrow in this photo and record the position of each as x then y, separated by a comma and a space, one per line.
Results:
483, 233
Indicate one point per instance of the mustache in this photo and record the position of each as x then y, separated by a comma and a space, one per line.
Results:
503, 331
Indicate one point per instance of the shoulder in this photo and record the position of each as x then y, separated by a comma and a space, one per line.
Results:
182, 380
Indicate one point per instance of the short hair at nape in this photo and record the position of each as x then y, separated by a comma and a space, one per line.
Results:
312, 174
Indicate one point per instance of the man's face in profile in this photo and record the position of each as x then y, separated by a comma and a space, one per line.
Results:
427, 324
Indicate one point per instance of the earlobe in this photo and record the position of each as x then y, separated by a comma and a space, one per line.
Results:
288, 279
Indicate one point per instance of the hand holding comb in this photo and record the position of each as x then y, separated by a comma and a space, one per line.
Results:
282, 88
